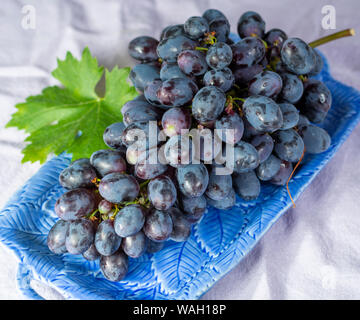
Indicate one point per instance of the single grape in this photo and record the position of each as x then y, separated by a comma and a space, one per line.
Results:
251, 24
91, 254
56, 237
118, 187
150, 166
223, 79
283, 174
196, 27
275, 38
178, 150
290, 115
114, 267
224, 204
243, 75
169, 48
246, 157
319, 64
158, 225
181, 226
176, 119
139, 100
142, 74
107, 242
162, 192
247, 185
80, 236
269, 168
206, 146
316, 101
288, 145
303, 120
292, 89
143, 48
77, 175
208, 104
170, 71
172, 31
105, 206
263, 113
134, 246
266, 83
107, 161
213, 14
298, 56
221, 27
219, 186
248, 51
264, 144
112, 135
139, 132
192, 62
150, 93
316, 139
153, 246
142, 111
193, 179
129, 220
75, 204
176, 92
219, 56
193, 208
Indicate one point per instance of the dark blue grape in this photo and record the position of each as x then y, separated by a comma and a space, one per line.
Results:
77, 175
162, 192
192, 62
169, 48
298, 56
129, 220
246, 157
219, 186
153, 246
219, 56
292, 89
303, 120
230, 122
316, 139
112, 135
213, 14
319, 64
193, 179
290, 115
170, 71
248, 51
142, 74
181, 226
150, 93
172, 31
107, 161
193, 208
158, 225
288, 145
269, 168
91, 254
56, 237
246, 185
251, 24
206, 145
143, 111
266, 83
151, 165
221, 27
118, 187
139, 132
196, 27
143, 48
105, 206
80, 236
264, 144
249, 130
176, 92
139, 100
208, 104
223, 79
114, 267
174, 120
316, 101
75, 204
275, 38
224, 204
178, 151
107, 242
283, 174
134, 246
263, 113
243, 75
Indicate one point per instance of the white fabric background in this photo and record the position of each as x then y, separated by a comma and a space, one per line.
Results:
313, 252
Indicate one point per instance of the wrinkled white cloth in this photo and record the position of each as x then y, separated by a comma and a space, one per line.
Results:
313, 251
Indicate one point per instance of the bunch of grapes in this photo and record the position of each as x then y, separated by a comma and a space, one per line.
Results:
119, 204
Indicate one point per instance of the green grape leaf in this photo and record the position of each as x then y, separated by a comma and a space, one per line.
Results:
73, 118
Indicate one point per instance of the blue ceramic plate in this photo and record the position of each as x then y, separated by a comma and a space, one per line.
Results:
181, 270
